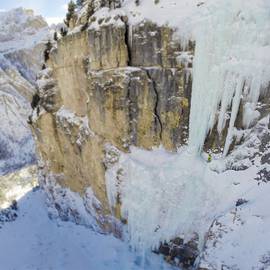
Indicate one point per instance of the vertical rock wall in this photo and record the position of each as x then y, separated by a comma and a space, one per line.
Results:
111, 84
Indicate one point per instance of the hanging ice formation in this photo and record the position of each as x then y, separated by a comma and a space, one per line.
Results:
231, 65
166, 195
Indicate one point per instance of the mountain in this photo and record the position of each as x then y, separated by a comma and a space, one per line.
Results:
22, 37
152, 123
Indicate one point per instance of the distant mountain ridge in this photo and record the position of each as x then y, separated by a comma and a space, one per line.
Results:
22, 38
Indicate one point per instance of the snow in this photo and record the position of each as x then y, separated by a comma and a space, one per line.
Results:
67, 119
232, 56
182, 14
238, 232
70, 206
15, 185
165, 195
105, 17
64, 114
21, 38
33, 241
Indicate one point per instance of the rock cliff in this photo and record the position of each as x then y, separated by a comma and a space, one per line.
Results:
111, 86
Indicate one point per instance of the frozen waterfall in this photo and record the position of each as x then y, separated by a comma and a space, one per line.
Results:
166, 195
231, 65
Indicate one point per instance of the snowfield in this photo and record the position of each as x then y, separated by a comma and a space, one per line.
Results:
34, 241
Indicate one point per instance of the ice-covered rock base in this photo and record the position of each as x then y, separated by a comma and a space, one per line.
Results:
164, 196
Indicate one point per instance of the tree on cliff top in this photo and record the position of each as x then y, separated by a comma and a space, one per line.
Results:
79, 3
48, 47
63, 31
55, 36
71, 12
90, 10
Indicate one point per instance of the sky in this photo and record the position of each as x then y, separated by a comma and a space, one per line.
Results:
53, 10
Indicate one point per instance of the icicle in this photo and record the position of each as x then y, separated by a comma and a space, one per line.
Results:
226, 100
235, 108
229, 48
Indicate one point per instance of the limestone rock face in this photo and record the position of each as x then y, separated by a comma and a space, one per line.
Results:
134, 100
154, 46
110, 85
107, 47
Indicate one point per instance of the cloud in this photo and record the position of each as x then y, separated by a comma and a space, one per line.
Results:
37, 6
2, 10
54, 20
64, 7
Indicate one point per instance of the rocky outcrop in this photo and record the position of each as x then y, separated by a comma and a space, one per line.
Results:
110, 84
180, 254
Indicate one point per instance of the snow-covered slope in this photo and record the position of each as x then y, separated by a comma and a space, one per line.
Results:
34, 241
240, 238
21, 45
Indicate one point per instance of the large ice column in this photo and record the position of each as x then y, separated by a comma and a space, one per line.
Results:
231, 63
163, 195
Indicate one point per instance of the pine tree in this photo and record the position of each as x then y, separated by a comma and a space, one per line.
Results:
55, 36
35, 101
79, 3
71, 12
90, 10
103, 3
137, 2
63, 31
48, 47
